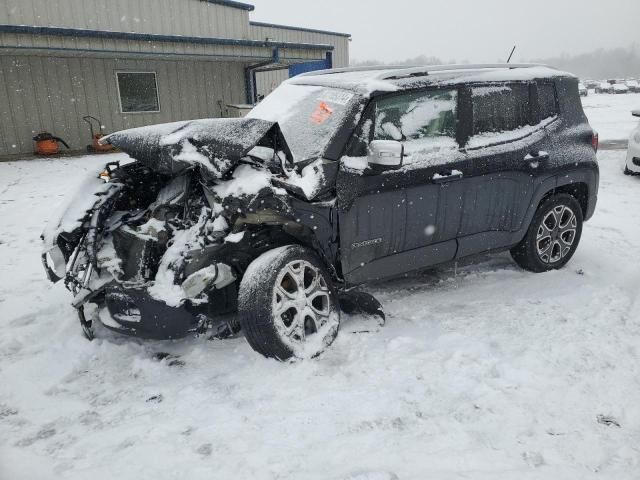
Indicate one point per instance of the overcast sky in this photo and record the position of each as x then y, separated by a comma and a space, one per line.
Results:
473, 30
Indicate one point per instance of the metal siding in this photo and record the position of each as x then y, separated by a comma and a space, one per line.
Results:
267, 82
340, 43
54, 93
9, 134
187, 17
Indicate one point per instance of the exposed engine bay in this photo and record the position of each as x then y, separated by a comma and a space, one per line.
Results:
159, 244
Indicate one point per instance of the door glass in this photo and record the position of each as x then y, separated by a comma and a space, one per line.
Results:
501, 113
424, 121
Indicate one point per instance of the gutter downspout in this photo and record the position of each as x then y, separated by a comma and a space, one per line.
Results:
251, 86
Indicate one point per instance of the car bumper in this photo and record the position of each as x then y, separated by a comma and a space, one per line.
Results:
135, 313
633, 153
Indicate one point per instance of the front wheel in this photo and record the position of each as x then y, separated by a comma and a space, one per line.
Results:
553, 236
287, 304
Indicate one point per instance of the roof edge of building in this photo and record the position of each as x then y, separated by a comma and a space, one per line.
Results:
233, 4
80, 32
299, 29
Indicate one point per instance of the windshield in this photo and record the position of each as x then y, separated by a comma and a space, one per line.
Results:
308, 116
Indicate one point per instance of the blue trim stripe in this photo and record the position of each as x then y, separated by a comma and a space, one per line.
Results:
124, 54
298, 29
230, 3
153, 37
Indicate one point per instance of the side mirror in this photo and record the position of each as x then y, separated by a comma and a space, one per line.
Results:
385, 154
635, 113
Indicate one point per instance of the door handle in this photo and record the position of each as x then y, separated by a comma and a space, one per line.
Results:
535, 158
446, 177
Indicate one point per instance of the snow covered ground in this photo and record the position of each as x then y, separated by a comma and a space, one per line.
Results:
610, 115
482, 372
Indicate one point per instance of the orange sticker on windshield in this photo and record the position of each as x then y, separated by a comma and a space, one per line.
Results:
321, 114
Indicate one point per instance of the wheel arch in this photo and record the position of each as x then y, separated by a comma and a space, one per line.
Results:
578, 190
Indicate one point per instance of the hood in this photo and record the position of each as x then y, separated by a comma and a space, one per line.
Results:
216, 144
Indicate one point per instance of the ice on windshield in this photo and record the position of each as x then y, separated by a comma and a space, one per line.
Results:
308, 116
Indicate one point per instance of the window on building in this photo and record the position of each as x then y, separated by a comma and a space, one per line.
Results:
138, 92
501, 108
547, 100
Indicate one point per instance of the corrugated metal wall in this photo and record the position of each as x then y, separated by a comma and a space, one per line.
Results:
340, 42
54, 93
267, 82
169, 17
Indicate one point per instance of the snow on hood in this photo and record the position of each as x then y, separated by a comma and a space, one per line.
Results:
215, 144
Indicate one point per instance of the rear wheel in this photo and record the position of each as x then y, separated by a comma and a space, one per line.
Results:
287, 304
553, 237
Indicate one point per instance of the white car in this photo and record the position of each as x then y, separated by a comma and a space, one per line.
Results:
584, 92
633, 153
633, 86
604, 87
620, 88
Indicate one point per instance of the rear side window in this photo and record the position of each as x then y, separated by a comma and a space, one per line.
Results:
547, 100
501, 108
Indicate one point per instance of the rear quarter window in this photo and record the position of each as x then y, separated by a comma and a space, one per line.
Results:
547, 100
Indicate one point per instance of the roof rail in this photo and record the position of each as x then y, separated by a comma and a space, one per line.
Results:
388, 72
428, 69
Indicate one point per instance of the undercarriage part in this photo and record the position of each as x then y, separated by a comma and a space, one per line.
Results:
86, 325
356, 302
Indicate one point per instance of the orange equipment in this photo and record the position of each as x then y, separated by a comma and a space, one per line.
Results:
96, 135
47, 144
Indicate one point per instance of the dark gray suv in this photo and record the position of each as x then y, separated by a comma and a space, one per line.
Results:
338, 178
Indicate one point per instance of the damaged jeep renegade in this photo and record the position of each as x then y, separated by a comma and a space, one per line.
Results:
339, 178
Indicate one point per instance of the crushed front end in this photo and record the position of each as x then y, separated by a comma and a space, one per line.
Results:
157, 245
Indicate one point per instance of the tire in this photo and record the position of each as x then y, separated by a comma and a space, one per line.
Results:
553, 236
627, 171
287, 304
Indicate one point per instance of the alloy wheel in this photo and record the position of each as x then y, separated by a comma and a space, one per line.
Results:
302, 301
556, 234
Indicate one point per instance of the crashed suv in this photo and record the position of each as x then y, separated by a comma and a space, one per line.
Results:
338, 178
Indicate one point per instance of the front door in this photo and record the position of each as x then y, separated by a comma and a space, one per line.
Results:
396, 221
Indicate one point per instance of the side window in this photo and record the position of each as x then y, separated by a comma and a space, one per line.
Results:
547, 100
500, 108
424, 121
421, 117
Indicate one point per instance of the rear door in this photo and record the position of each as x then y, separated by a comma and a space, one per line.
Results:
507, 148
395, 221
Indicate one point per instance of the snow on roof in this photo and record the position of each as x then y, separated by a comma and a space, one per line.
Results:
385, 79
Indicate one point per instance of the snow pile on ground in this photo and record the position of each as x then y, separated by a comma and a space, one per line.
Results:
610, 115
482, 372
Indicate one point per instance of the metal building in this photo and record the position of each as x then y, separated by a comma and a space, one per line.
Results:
139, 62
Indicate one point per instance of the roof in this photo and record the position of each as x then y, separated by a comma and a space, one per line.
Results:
368, 80
154, 37
299, 29
233, 4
